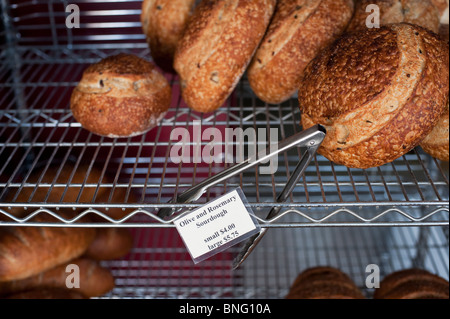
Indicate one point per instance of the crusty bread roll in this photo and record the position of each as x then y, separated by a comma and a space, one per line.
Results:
163, 23
378, 92
121, 96
94, 279
442, 6
419, 12
324, 282
437, 142
110, 243
298, 31
28, 251
412, 284
216, 48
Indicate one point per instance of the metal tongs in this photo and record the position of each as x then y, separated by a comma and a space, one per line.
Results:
310, 138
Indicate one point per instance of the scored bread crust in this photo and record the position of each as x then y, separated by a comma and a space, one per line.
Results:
393, 281
217, 47
437, 142
298, 31
120, 96
419, 289
419, 12
324, 282
27, 251
163, 23
378, 93
319, 272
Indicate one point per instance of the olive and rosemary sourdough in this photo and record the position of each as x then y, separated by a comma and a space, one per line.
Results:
121, 96
163, 23
378, 92
216, 48
298, 31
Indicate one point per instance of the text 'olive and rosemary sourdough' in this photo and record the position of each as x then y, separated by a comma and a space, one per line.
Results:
418, 12
298, 31
163, 23
121, 96
216, 48
378, 92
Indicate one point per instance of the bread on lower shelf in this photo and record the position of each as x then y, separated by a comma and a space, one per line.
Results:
28, 251
297, 32
323, 282
121, 96
110, 243
36, 257
47, 293
94, 280
412, 284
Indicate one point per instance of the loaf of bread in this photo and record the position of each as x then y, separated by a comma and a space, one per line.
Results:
121, 96
419, 12
324, 282
94, 280
298, 31
163, 23
48, 293
378, 93
437, 142
412, 284
110, 243
28, 251
442, 6
216, 48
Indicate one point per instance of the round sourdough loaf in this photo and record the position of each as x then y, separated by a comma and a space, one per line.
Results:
412, 283
163, 23
298, 31
216, 48
121, 96
419, 12
378, 92
323, 282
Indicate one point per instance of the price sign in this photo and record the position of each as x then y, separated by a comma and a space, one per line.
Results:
217, 225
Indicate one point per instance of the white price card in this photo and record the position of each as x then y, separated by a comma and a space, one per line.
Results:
217, 225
